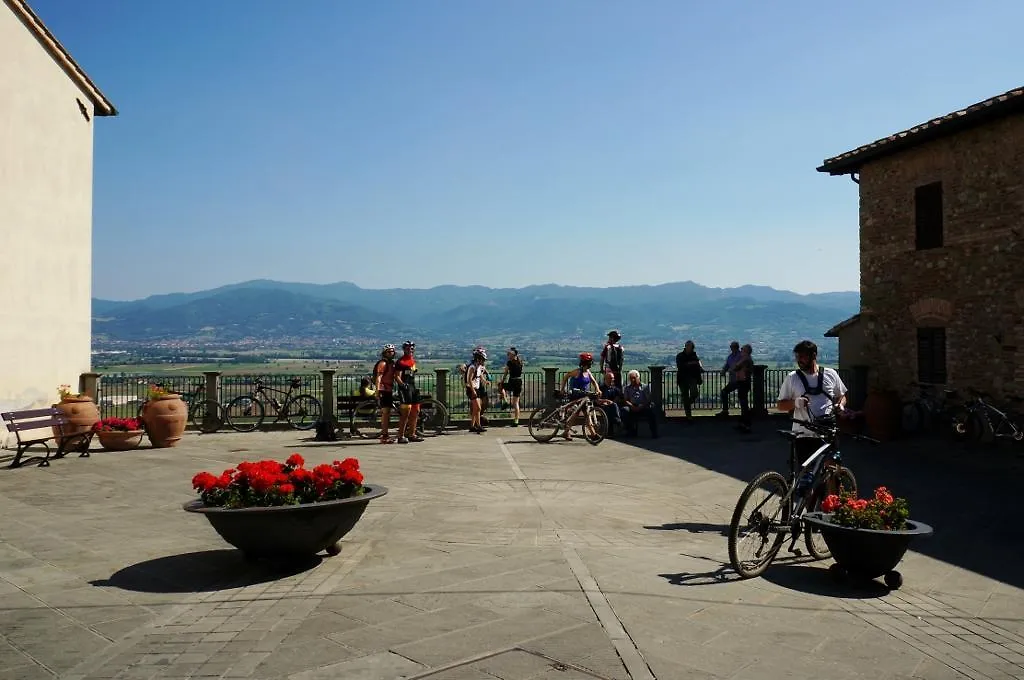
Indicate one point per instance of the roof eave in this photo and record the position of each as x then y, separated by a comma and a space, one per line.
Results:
101, 105
944, 126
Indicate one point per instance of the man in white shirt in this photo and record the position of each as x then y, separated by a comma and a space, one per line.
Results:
811, 391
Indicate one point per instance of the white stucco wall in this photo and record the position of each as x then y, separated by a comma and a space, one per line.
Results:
45, 222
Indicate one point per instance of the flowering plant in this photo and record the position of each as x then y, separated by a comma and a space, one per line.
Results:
156, 391
268, 482
64, 392
118, 425
883, 512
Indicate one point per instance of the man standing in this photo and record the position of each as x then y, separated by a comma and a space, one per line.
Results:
729, 368
810, 392
638, 405
611, 356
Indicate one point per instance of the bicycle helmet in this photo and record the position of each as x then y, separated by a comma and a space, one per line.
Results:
480, 352
388, 347
408, 344
586, 358
614, 333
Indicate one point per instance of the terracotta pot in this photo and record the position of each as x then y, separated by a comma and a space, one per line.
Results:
165, 420
883, 415
82, 413
120, 441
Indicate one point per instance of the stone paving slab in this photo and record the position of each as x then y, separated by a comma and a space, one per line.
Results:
491, 557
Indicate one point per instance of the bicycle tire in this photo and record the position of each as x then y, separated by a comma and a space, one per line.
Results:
199, 416
244, 406
365, 420
433, 417
913, 417
839, 482
757, 569
600, 427
310, 408
542, 414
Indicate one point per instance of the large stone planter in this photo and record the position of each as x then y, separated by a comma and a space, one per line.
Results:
288, 531
866, 554
82, 413
165, 419
118, 440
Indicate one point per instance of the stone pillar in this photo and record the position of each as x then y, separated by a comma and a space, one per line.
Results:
758, 405
88, 384
212, 380
658, 390
441, 385
328, 402
550, 384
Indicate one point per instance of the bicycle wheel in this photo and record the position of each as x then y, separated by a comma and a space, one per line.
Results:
244, 414
433, 418
969, 425
545, 423
206, 416
595, 430
303, 411
365, 420
837, 482
913, 417
762, 521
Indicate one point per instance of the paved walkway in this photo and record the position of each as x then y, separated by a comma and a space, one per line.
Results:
496, 557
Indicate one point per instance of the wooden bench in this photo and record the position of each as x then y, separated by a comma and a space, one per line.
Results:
345, 407
19, 422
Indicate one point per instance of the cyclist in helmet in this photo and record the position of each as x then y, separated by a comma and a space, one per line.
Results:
409, 396
611, 356
476, 377
384, 380
581, 382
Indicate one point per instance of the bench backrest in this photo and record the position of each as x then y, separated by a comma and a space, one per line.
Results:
19, 421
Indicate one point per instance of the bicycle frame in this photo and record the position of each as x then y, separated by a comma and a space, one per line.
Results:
1005, 428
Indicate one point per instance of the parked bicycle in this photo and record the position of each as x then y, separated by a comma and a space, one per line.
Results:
433, 418
979, 417
766, 523
246, 413
548, 421
206, 415
931, 410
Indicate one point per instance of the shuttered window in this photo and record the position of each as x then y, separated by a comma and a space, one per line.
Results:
931, 355
928, 216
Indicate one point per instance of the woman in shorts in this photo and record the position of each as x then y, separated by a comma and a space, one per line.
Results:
512, 382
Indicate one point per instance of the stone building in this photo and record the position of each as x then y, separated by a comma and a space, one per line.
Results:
47, 112
941, 251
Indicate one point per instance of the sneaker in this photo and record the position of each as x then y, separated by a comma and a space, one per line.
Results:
417, 439
515, 423
403, 440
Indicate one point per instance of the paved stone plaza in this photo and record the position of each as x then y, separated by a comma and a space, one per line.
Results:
497, 557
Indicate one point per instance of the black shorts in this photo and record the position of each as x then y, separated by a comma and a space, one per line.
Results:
514, 386
408, 394
387, 399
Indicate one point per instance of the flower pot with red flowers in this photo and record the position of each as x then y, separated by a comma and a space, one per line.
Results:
119, 434
868, 538
164, 415
79, 409
284, 510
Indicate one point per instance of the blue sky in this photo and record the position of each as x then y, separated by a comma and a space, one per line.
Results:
417, 143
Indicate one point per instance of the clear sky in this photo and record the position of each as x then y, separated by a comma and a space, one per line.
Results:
505, 143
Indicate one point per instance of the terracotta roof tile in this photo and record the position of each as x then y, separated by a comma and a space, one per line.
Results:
1001, 105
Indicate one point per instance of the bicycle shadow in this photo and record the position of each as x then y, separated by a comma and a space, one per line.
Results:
724, 573
692, 527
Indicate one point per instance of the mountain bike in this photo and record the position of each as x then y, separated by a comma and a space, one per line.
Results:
979, 416
432, 420
930, 410
768, 522
547, 421
246, 412
206, 415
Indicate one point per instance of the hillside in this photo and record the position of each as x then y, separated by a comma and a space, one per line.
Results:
270, 313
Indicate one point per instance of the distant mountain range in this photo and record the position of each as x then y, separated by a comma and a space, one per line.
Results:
342, 313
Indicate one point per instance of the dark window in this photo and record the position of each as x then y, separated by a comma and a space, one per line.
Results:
931, 355
928, 215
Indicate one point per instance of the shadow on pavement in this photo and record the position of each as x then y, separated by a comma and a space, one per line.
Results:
816, 579
692, 527
205, 571
968, 492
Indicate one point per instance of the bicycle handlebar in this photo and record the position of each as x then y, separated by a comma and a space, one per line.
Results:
829, 427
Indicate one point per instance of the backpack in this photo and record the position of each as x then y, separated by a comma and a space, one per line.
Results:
615, 356
820, 389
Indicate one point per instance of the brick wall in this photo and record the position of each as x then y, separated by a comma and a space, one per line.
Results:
972, 285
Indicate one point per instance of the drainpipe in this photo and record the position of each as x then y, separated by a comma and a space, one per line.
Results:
855, 176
